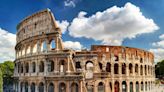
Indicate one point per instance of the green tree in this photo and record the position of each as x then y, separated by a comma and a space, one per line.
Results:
1, 81
7, 71
159, 69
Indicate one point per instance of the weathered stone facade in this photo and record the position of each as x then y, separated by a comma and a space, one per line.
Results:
43, 65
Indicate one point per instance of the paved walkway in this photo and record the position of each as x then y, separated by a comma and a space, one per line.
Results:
158, 88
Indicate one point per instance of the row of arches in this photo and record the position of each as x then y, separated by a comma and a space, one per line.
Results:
122, 87
34, 67
25, 87
43, 46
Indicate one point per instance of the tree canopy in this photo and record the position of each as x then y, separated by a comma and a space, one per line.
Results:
159, 69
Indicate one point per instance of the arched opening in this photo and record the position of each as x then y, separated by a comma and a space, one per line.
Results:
131, 87
137, 87
101, 87
21, 68
26, 86
62, 87
78, 66
116, 68
145, 86
27, 67
89, 69
145, 70
21, 87
52, 44
50, 66
142, 86
34, 49
41, 66
110, 87
89, 88
124, 86
41, 87
62, 66
130, 68
28, 50
89, 65
108, 67
74, 87
33, 67
51, 87
116, 58
136, 68
123, 68
33, 87
116, 86
100, 66
44, 46
141, 70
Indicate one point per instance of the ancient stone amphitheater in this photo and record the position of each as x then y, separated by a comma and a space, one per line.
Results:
42, 64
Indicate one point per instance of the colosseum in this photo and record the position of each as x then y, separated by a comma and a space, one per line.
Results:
42, 63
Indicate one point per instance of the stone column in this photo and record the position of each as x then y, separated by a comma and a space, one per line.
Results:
127, 69
120, 86
128, 86
67, 86
68, 64
120, 69
95, 88
29, 89
56, 86
133, 69
134, 86
45, 67
112, 69
107, 86
113, 90
36, 88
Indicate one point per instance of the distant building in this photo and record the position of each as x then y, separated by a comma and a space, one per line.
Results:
43, 65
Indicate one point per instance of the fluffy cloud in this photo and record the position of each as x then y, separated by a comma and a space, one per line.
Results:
113, 25
63, 25
72, 45
158, 49
69, 3
7, 43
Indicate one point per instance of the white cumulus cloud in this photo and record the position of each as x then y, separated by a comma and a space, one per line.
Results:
72, 45
7, 43
158, 49
112, 25
63, 25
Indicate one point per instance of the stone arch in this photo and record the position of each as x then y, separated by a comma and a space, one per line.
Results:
78, 65
62, 87
74, 87
89, 88
145, 70
89, 65
137, 86
62, 66
26, 86
51, 87
33, 87
110, 86
116, 68
43, 46
108, 67
41, 66
100, 66
33, 67
124, 86
41, 87
101, 87
21, 86
142, 86
21, 68
52, 44
116, 86
141, 70
145, 86
130, 68
131, 86
28, 49
123, 68
136, 68
34, 47
50, 65
26, 67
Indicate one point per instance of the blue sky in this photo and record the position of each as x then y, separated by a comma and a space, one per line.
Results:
69, 12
